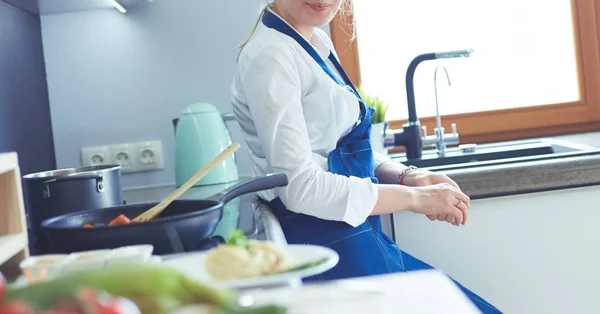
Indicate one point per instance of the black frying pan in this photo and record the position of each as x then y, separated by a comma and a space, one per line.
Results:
180, 227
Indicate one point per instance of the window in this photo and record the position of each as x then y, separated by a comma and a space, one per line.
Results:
535, 69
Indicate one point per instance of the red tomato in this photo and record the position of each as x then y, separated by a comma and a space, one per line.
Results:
121, 220
117, 305
16, 307
98, 303
2, 287
105, 303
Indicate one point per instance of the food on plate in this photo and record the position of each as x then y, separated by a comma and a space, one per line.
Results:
245, 258
49, 260
28, 274
87, 256
94, 255
41, 267
154, 289
306, 265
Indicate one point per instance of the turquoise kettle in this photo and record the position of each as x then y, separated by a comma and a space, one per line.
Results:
201, 135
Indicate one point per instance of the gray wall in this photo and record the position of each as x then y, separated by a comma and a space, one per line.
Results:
24, 113
29, 5
116, 78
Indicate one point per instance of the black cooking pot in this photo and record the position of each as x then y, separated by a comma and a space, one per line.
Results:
58, 192
181, 227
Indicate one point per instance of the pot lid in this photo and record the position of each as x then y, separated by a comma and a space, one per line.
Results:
200, 108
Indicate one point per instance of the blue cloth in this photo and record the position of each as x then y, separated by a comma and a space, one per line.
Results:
364, 250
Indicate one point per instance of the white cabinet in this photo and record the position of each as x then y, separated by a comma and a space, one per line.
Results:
531, 253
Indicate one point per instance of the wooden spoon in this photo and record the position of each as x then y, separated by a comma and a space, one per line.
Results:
158, 208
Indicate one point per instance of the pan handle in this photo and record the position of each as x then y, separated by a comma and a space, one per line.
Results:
251, 185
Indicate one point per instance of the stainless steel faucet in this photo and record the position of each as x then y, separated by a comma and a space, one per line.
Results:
439, 139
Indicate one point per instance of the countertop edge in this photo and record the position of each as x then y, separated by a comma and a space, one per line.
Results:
528, 177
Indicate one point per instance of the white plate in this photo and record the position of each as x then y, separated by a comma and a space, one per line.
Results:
192, 265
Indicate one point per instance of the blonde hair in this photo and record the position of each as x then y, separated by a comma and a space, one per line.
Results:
344, 13
347, 18
262, 13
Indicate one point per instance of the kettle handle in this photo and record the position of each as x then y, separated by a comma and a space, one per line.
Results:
228, 117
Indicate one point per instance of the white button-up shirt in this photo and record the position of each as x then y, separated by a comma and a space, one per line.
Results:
292, 114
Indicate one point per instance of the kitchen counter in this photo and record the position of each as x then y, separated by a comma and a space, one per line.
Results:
591, 138
528, 177
533, 176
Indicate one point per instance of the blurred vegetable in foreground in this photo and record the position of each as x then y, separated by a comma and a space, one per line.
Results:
2, 287
85, 301
238, 238
155, 289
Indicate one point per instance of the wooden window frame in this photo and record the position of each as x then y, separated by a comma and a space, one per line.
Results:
509, 124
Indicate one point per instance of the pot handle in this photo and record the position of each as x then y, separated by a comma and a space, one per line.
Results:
74, 177
251, 185
97, 177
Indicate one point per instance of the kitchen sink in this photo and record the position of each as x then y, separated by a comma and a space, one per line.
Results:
467, 156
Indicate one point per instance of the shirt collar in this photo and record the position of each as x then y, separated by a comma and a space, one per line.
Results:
315, 41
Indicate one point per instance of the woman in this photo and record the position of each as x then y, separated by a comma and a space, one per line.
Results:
300, 115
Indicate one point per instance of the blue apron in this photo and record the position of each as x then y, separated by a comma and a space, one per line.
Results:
366, 249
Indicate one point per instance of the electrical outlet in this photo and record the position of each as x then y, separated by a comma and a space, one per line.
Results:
123, 154
149, 155
95, 156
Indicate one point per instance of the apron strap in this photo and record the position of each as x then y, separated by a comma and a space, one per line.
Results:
340, 69
272, 21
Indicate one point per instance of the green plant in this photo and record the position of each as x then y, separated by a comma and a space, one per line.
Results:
376, 103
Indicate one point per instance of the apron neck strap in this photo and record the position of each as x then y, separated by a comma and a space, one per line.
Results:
273, 21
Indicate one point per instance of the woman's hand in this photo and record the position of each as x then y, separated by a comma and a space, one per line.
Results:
422, 178
443, 202
433, 194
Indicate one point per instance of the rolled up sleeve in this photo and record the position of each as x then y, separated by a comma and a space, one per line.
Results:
380, 158
272, 86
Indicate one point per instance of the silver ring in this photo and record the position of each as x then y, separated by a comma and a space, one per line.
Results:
459, 202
